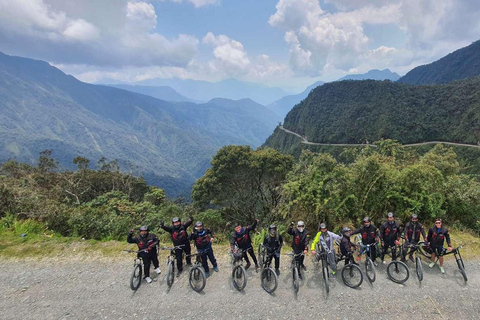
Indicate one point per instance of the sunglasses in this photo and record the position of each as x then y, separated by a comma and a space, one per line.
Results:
438, 223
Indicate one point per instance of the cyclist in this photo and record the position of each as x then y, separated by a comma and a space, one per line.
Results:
146, 241
346, 246
436, 237
389, 234
299, 242
179, 237
241, 239
203, 239
274, 242
413, 230
326, 239
369, 236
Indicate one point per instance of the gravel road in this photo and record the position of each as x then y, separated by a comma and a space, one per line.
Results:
99, 289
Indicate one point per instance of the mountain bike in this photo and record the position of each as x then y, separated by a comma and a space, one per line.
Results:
239, 275
397, 270
268, 276
295, 269
136, 277
171, 260
197, 278
458, 259
370, 270
415, 249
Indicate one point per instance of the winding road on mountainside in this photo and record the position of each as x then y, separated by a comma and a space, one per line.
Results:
98, 288
305, 141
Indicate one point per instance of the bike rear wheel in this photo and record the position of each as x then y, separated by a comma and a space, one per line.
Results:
170, 273
136, 278
269, 280
398, 272
197, 279
352, 276
422, 248
296, 279
419, 268
370, 270
239, 277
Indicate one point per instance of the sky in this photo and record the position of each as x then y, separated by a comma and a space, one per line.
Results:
285, 43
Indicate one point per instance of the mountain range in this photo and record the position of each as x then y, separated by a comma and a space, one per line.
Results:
170, 144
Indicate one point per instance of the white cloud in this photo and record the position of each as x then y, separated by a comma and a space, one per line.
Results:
96, 33
196, 3
230, 56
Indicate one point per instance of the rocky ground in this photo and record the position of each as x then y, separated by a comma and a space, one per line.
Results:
99, 289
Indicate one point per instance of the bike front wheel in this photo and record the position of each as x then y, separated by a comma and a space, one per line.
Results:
398, 272
269, 280
461, 267
370, 270
424, 251
325, 279
136, 278
352, 276
239, 277
419, 268
296, 279
197, 279
170, 273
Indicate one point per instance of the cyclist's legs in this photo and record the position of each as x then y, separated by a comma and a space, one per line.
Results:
331, 261
276, 256
178, 255
373, 252
188, 251
154, 258
300, 260
147, 260
204, 261
252, 254
211, 257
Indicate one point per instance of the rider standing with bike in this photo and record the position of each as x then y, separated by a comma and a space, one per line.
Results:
413, 230
326, 239
436, 237
147, 243
242, 240
369, 236
346, 246
178, 232
299, 242
389, 235
203, 239
274, 242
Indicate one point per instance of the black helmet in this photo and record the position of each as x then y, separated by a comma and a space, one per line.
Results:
346, 230
272, 230
176, 219
144, 228
323, 225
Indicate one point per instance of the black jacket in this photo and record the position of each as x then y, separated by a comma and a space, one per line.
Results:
273, 243
412, 232
202, 240
345, 245
369, 234
149, 242
179, 235
437, 238
243, 239
300, 239
390, 232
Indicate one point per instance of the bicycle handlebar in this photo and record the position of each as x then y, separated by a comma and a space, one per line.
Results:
172, 248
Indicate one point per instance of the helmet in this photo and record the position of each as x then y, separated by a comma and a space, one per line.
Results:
176, 219
366, 219
300, 224
198, 225
272, 230
144, 228
390, 215
345, 230
414, 216
272, 226
323, 225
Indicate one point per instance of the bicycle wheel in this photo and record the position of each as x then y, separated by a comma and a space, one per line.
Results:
461, 267
239, 277
424, 251
269, 280
370, 270
136, 278
325, 279
197, 279
419, 268
398, 271
170, 273
352, 276
296, 279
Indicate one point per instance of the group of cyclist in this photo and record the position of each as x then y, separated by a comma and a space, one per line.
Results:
389, 235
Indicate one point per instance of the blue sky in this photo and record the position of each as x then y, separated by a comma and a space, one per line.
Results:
285, 43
